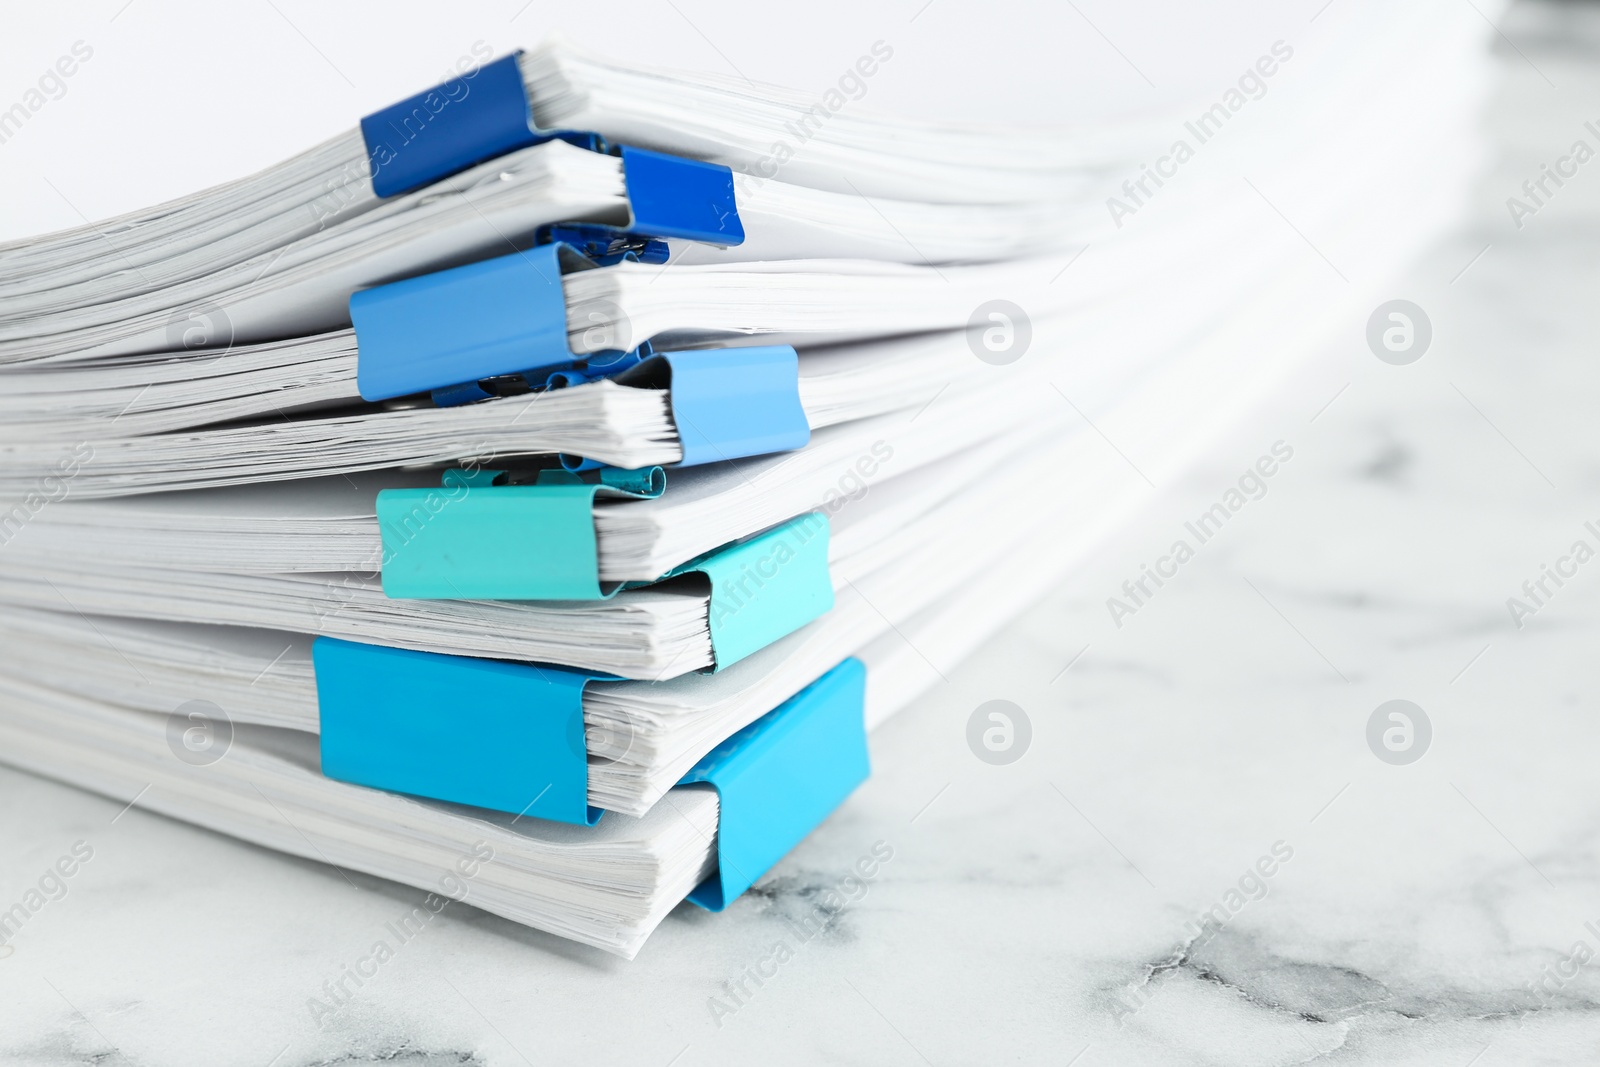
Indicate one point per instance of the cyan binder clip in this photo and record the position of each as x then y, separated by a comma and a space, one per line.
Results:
506, 736
510, 737
478, 540
781, 776
763, 588
478, 116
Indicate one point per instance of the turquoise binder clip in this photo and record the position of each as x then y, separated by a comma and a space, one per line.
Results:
478, 540
781, 776
765, 587
506, 736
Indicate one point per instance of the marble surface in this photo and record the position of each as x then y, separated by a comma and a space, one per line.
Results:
1443, 911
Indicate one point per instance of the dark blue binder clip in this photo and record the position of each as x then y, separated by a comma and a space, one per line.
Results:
454, 125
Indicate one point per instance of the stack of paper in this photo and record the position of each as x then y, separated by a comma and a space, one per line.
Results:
470, 485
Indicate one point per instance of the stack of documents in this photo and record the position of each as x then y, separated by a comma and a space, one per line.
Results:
542, 473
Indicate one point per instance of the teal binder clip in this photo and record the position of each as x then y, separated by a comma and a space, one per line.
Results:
765, 587
503, 542
478, 539
505, 736
781, 776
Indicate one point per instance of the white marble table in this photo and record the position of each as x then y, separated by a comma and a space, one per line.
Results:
1441, 911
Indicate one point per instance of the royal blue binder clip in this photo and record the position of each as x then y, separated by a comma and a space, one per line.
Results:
486, 113
448, 128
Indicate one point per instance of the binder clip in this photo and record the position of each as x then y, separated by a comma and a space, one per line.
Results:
476, 117
481, 538
510, 737
448, 332
781, 776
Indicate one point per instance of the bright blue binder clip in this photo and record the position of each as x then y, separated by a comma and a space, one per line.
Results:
501, 316
781, 776
506, 736
510, 737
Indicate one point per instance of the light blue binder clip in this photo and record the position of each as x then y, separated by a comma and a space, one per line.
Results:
729, 403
